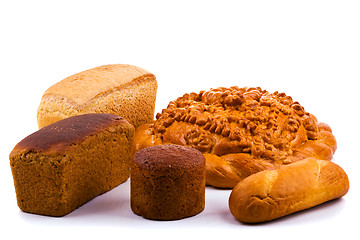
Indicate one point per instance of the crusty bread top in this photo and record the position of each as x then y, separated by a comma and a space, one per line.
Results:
165, 156
84, 86
239, 120
60, 135
271, 194
240, 130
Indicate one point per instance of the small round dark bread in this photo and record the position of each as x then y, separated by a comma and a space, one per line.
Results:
167, 182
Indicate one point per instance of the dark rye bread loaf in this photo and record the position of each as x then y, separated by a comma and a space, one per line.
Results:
67, 163
167, 182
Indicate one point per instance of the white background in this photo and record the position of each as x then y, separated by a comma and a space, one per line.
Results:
308, 49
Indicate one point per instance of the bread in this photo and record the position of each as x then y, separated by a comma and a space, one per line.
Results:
125, 90
271, 194
67, 163
167, 182
240, 131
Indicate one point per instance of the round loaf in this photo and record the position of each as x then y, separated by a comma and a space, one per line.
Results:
240, 131
167, 182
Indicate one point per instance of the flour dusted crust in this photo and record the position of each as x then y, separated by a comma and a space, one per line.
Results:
240, 131
120, 89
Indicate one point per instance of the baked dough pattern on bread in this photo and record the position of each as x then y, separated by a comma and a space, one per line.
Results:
240, 131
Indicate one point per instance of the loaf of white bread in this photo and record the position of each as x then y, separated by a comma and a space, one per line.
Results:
120, 89
271, 194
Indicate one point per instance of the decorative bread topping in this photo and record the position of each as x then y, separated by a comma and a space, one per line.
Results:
240, 131
237, 120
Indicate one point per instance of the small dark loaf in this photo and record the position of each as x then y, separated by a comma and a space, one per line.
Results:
67, 163
167, 182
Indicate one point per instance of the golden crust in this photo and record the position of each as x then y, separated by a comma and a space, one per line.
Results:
240, 131
271, 194
86, 85
120, 89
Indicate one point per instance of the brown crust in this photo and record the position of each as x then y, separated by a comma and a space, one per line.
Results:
167, 182
64, 133
163, 156
260, 130
66, 164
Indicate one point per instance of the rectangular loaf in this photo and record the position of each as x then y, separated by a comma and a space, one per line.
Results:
67, 163
120, 89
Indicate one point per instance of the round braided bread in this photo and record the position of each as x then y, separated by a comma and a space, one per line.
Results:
240, 131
